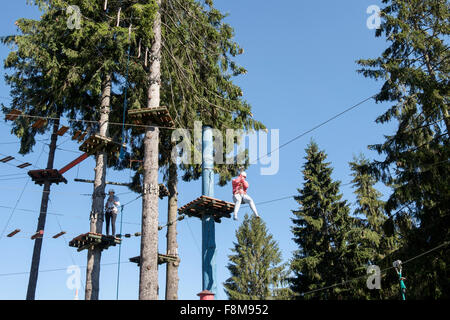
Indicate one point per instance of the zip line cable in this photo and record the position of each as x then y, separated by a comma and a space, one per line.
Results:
318, 126
95, 122
244, 206
67, 248
171, 222
58, 269
381, 272
18, 200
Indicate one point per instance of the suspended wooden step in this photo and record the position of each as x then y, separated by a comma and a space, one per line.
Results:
180, 218
128, 235
24, 165
92, 240
39, 124
38, 234
204, 205
97, 143
62, 131
52, 175
12, 234
151, 116
56, 236
162, 258
76, 135
7, 159
81, 137
13, 114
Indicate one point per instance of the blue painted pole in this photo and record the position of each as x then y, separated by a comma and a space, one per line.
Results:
208, 224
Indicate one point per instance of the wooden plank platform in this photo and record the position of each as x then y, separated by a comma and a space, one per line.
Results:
62, 130
92, 240
12, 234
208, 206
38, 234
24, 165
40, 176
97, 143
39, 123
151, 116
81, 137
13, 114
75, 136
7, 159
56, 236
162, 258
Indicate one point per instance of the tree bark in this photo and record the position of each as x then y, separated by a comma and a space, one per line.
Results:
172, 245
148, 281
34, 271
98, 198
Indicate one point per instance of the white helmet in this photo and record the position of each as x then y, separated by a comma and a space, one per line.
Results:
244, 174
397, 264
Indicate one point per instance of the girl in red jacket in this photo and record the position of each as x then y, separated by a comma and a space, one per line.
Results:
240, 186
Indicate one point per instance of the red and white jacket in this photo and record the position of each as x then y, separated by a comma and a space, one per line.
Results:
240, 185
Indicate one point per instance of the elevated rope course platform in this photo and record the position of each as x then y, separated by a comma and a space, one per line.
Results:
92, 240
52, 175
158, 116
97, 143
204, 205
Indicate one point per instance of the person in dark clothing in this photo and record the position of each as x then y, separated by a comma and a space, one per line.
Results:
111, 210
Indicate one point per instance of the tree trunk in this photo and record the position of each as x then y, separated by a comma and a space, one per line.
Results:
32, 282
172, 245
98, 198
148, 281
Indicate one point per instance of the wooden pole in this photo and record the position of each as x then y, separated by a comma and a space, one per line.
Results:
98, 198
34, 271
172, 245
148, 273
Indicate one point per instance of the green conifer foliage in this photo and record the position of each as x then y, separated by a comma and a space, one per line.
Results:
414, 69
255, 265
322, 231
372, 245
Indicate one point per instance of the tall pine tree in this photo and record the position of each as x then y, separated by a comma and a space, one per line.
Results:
255, 267
372, 242
322, 227
415, 69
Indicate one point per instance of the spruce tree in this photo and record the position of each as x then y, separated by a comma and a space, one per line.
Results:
255, 267
322, 227
415, 69
372, 245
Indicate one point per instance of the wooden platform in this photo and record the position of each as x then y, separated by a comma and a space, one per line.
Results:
208, 206
40, 176
39, 123
13, 114
162, 258
97, 143
62, 131
92, 240
151, 116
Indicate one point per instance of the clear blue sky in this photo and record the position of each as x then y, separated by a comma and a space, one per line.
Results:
300, 57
